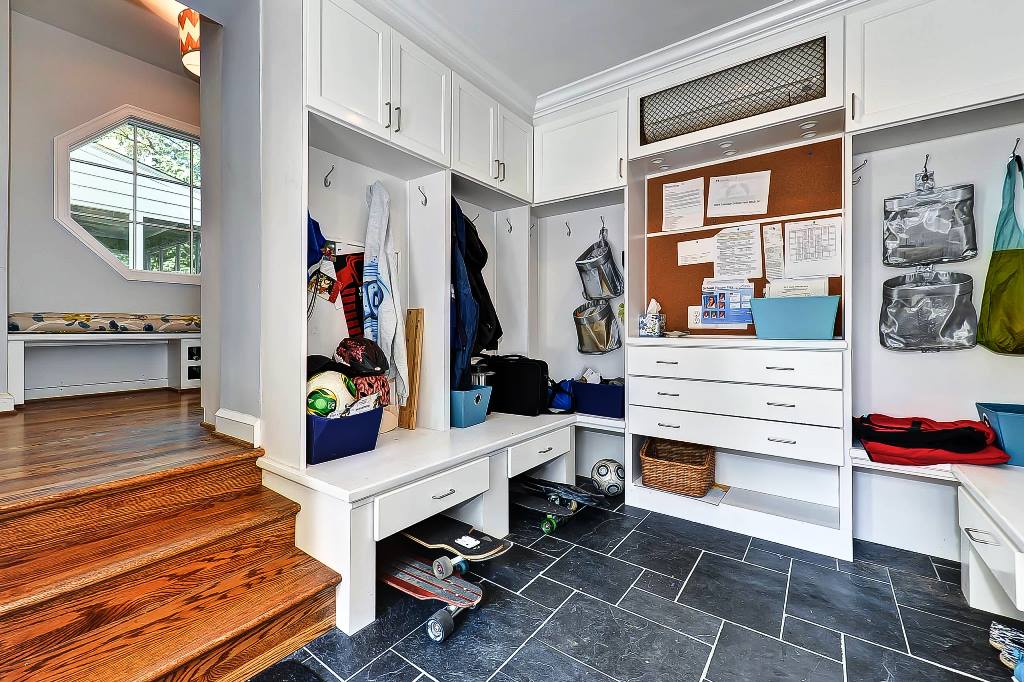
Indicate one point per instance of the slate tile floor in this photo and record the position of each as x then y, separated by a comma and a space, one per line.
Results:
624, 594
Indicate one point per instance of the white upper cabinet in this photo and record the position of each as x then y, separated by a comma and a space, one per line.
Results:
581, 151
474, 132
350, 65
515, 154
421, 98
910, 59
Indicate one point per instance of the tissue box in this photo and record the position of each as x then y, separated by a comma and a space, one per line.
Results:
652, 325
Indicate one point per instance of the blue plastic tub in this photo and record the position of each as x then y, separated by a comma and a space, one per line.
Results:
603, 400
1007, 421
328, 439
469, 408
797, 317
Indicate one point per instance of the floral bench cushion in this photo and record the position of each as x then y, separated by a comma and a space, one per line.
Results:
99, 323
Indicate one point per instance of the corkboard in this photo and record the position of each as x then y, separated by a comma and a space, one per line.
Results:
806, 179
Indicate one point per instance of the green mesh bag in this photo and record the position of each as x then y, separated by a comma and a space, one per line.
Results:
1001, 322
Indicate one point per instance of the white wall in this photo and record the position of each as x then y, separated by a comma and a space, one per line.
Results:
5, 129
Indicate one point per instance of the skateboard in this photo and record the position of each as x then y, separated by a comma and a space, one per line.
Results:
458, 538
554, 514
415, 577
564, 494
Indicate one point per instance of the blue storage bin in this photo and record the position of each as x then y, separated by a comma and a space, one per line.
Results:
328, 439
602, 400
469, 408
797, 317
1007, 421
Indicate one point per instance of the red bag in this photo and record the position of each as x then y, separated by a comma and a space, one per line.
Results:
917, 441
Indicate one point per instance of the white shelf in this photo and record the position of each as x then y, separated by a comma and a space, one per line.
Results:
596, 423
733, 341
942, 472
611, 197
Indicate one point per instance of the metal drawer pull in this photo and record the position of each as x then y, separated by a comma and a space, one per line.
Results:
545, 450
771, 404
444, 495
670, 395
666, 362
780, 369
668, 426
784, 441
398, 113
388, 105
971, 531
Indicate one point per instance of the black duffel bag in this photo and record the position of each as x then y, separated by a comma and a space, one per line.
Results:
519, 385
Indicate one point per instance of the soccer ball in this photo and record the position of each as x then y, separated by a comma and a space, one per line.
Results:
609, 477
328, 394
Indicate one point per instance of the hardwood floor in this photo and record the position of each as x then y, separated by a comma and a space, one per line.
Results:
136, 546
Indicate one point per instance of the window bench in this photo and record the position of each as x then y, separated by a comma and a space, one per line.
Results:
183, 359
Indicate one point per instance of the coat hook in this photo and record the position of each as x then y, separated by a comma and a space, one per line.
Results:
1016, 144
859, 168
532, 228
568, 230
509, 225
475, 219
327, 178
604, 230
926, 157
423, 194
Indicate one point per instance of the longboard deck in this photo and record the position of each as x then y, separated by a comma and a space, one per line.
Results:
563, 490
415, 577
539, 504
444, 533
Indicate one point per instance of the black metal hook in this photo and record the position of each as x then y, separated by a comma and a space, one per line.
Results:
1016, 144
509, 225
568, 230
327, 178
423, 194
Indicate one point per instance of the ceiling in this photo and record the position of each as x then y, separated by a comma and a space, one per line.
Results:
544, 44
144, 29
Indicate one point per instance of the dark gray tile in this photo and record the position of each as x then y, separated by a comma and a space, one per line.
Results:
596, 529
948, 574
844, 602
657, 554
952, 644
695, 534
688, 621
483, 640
595, 574
635, 512
397, 616
765, 559
551, 546
537, 662
546, 592
939, 561
870, 663
893, 557
742, 656
938, 598
814, 637
622, 645
865, 569
388, 668
661, 585
289, 671
736, 591
793, 552
611, 503
515, 568
523, 526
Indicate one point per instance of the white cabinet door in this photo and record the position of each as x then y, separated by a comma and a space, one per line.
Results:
350, 65
581, 152
515, 155
422, 101
909, 59
474, 132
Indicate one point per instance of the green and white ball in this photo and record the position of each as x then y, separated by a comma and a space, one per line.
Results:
609, 477
328, 394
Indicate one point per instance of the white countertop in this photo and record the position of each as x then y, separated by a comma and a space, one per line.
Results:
404, 456
1000, 492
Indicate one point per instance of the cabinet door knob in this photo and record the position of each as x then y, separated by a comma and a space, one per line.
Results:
443, 495
853, 106
388, 105
501, 171
620, 168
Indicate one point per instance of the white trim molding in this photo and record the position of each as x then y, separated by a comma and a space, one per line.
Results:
62, 145
244, 427
769, 21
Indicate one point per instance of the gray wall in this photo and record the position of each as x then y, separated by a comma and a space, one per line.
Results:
59, 81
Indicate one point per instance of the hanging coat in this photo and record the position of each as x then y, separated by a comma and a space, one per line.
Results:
465, 311
382, 304
488, 327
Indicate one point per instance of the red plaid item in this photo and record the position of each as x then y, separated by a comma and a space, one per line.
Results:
377, 384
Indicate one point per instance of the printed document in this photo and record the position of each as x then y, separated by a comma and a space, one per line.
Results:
814, 248
738, 252
693, 251
744, 194
682, 205
774, 263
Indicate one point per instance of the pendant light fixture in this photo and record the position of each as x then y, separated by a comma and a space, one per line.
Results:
188, 39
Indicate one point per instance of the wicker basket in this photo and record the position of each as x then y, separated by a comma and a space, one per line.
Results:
683, 468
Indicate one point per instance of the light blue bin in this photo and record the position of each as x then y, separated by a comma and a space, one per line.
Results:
1008, 422
469, 408
797, 317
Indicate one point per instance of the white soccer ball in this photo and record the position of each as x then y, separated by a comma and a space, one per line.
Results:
609, 477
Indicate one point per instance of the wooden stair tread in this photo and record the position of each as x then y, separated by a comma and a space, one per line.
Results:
33, 577
172, 619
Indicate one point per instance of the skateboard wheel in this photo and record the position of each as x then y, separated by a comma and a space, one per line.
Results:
554, 499
440, 625
443, 567
548, 525
572, 505
462, 566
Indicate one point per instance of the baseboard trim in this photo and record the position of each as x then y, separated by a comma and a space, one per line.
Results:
6, 403
91, 389
237, 425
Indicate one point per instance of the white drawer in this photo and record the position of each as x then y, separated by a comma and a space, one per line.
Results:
818, 406
816, 369
399, 509
994, 548
532, 453
794, 441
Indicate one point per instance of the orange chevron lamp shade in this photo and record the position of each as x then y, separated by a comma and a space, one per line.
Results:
188, 39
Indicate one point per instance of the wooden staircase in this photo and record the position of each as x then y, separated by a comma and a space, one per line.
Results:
185, 573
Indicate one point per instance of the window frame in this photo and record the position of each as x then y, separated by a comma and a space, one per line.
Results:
63, 145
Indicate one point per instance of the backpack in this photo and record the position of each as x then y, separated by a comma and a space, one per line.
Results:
920, 441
